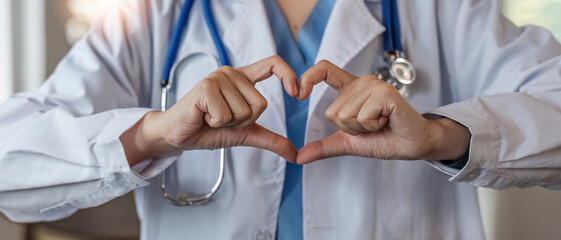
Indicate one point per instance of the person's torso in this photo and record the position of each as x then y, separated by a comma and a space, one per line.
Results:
344, 197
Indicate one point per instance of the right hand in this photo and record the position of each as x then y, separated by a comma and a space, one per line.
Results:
220, 111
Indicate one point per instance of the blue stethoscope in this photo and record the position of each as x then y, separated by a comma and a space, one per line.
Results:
398, 71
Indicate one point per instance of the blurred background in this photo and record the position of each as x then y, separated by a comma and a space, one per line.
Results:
36, 34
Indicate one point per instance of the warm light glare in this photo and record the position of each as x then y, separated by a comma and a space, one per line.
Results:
83, 13
544, 13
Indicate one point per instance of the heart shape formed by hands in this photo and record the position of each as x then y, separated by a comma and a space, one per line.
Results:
221, 110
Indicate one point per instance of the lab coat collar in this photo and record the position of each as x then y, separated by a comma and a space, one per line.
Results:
351, 27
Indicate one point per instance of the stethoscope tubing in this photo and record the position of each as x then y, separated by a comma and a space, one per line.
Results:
167, 79
209, 17
175, 41
392, 35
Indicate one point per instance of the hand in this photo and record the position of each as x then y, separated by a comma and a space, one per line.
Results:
220, 111
377, 122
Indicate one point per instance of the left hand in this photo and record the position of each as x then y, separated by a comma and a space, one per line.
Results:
377, 122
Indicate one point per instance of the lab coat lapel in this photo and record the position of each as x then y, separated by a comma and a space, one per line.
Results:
249, 39
351, 27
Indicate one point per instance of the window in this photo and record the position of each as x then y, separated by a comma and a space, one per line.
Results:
5, 50
544, 13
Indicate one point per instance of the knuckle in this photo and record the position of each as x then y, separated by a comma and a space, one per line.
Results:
220, 119
225, 118
207, 84
243, 113
324, 63
363, 120
367, 80
261, 104
275, 58
372, 124
214, 75
330, 114
345, 116
221, 75
371, 77
375, 128
214, 123
387, 87
231, 73
225, 69
365, 83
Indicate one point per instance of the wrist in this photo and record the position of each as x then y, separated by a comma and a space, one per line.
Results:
145, 139
153, 134
450, 140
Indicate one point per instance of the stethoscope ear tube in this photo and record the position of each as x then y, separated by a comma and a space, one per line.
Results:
175, 40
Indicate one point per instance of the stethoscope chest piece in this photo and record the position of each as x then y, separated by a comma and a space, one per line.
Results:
398, 71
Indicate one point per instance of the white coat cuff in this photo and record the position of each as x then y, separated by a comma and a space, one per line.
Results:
111, 153
118, 179
484, 144
153, 166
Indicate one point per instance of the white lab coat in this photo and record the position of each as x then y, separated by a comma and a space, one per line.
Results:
60, 148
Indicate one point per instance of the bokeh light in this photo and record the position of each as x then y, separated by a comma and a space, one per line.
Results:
544, 13
82, 14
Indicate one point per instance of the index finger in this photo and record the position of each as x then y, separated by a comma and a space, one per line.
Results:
324, 71
265, 68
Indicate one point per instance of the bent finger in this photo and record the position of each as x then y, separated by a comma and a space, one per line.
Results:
257, 103
216, 111
265, 68
371, 117
348, 112
238, 105
323, 71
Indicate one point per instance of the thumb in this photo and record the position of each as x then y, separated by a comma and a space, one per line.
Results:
331, 146
260, 137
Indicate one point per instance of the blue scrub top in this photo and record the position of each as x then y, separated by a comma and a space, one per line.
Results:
300, 55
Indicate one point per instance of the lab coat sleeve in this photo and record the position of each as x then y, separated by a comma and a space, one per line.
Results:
59, 146
507, 83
